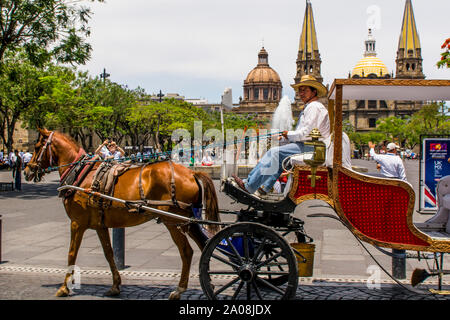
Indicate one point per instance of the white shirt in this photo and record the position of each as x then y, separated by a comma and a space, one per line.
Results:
315, 115
346, 152
107, 154
27, 157
391, 164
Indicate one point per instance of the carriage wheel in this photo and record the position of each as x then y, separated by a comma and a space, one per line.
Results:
251, 259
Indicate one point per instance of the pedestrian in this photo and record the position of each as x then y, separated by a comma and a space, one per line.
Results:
17, 170
27, 158
315, 115
207, 160
110, 150
391, 165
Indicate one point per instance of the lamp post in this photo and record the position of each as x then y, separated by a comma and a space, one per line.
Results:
160, 95
104, 75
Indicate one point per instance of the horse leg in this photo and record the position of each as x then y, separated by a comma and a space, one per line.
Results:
186, 254
105, 240
76, 235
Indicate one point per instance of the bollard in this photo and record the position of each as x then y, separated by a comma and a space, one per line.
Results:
399, 265
119, 247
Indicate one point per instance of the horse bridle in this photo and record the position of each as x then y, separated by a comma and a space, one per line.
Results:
38, 167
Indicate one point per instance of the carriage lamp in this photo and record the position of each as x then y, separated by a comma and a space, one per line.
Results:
318, 154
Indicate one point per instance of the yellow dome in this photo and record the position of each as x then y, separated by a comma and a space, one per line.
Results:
370, 65
262, 74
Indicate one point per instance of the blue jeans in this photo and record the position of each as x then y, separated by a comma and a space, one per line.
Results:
269, 168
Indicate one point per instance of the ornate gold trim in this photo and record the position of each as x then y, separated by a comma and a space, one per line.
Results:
435, 245
310, 196
387, 82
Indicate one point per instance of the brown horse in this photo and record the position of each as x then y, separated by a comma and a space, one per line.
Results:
58, 150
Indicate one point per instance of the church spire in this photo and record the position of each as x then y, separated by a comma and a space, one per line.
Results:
308, 58
409, 57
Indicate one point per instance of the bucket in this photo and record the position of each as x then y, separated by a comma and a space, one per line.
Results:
305, 269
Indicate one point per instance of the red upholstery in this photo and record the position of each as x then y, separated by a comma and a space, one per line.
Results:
304, 184
378, 211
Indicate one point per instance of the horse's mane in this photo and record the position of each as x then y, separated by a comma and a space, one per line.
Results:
68, 137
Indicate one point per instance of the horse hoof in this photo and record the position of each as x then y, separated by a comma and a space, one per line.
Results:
113, 292
62, 292
174, 295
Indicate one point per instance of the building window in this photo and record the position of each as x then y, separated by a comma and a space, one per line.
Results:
372, 104
256, 93
265, 94
372, 122
274, 95
361, 104
383, 104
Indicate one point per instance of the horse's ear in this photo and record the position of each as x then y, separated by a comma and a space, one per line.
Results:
44, 132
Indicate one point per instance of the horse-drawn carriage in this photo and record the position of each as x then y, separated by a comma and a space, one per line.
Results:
251, 255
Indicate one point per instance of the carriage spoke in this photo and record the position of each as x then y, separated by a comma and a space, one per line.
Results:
230, 243
257, 253
226, 286
249, 291
273, 273
236, 293
258, 293
264, 263
221, 272
246, 249
215, 256
271, 286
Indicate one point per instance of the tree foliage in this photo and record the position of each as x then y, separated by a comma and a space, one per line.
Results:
45, 29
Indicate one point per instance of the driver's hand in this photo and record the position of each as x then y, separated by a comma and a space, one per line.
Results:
283, 135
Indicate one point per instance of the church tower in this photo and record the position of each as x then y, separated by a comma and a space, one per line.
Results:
308, 58
409, 57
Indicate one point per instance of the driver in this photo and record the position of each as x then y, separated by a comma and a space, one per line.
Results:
314, 115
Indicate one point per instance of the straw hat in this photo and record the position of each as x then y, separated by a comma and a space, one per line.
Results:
310, 81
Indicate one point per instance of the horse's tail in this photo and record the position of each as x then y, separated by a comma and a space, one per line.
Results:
212, 204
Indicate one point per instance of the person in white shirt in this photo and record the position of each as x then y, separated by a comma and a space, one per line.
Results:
110, 150
315, 115
391, 166
207, 160
26, 158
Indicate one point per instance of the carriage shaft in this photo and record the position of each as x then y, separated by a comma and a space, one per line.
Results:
153, 210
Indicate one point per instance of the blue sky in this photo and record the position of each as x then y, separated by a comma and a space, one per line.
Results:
197, 48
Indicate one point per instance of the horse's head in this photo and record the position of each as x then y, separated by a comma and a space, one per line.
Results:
43, 157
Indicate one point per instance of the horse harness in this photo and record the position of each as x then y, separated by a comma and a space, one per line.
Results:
106, 177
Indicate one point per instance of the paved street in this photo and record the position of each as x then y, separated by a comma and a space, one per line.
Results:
35, 242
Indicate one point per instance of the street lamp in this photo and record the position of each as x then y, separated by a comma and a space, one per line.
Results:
160, 95
104, 75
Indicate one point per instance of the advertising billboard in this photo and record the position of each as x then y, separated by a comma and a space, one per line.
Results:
434, 166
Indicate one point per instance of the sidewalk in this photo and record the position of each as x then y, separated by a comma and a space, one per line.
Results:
36, 236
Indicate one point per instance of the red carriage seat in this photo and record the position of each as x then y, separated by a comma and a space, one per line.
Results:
378, 210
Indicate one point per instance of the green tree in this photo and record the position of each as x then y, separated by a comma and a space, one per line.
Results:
45, 29
20, 89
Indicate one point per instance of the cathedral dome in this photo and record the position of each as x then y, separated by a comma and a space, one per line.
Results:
368, 66
262, 73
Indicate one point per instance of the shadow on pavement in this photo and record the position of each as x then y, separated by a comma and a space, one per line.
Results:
32, 191
328, 291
